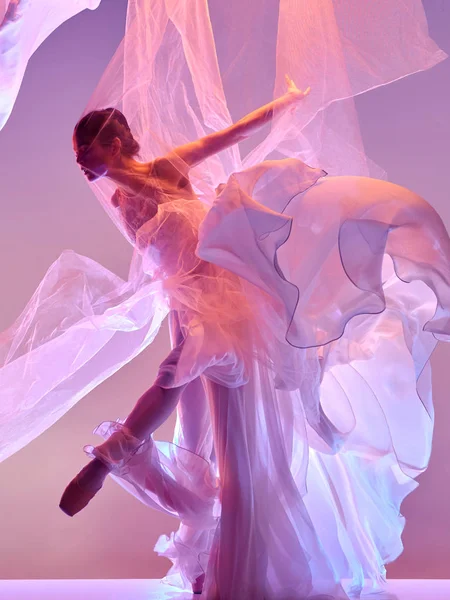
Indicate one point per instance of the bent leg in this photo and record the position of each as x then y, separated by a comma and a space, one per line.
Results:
150, 411
193, 429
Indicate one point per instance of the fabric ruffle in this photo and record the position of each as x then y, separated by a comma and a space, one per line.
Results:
171, 479
307, 291
160, 474
321, 253
357, 267
358, 297
318, 262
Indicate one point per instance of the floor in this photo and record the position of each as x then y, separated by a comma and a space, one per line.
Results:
140, 589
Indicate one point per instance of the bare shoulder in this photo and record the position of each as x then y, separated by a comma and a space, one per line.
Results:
170, 171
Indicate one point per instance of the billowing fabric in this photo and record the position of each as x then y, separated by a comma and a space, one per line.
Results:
305, 299
314, 446
24, 25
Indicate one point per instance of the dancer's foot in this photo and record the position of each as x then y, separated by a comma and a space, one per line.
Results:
197, 586
83, 487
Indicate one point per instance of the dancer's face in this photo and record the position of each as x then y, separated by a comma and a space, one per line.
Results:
94, 158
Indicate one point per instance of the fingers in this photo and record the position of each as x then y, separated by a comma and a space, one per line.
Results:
291, 84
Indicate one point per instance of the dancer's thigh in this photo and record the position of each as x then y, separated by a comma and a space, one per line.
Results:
193, 425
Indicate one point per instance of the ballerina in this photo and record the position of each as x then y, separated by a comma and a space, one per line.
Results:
288, 294
229, 370
105, 147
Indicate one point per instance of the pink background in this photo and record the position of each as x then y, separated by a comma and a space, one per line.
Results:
47, 207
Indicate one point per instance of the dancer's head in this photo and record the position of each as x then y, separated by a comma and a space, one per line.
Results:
102, 139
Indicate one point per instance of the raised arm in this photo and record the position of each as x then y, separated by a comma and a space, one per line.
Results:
193, 153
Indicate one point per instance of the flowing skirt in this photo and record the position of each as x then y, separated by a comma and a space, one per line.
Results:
291, 478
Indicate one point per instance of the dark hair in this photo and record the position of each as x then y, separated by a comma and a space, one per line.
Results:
105, 125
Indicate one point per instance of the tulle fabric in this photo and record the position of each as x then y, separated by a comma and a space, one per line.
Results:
186, 69
170, 98
314, 450
24, 25
289, 291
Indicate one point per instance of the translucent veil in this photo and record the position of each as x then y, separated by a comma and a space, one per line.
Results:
24, 25
183, 70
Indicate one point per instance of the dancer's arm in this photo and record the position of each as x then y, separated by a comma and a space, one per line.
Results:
193, 153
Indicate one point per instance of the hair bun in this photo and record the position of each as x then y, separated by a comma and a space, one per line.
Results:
107, 124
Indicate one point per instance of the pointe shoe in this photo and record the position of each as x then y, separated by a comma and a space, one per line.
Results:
83, 487
197, 586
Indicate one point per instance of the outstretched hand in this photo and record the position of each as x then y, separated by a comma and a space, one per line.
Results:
293, 91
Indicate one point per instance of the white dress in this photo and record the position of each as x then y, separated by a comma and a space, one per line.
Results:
314, 286
304, 308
